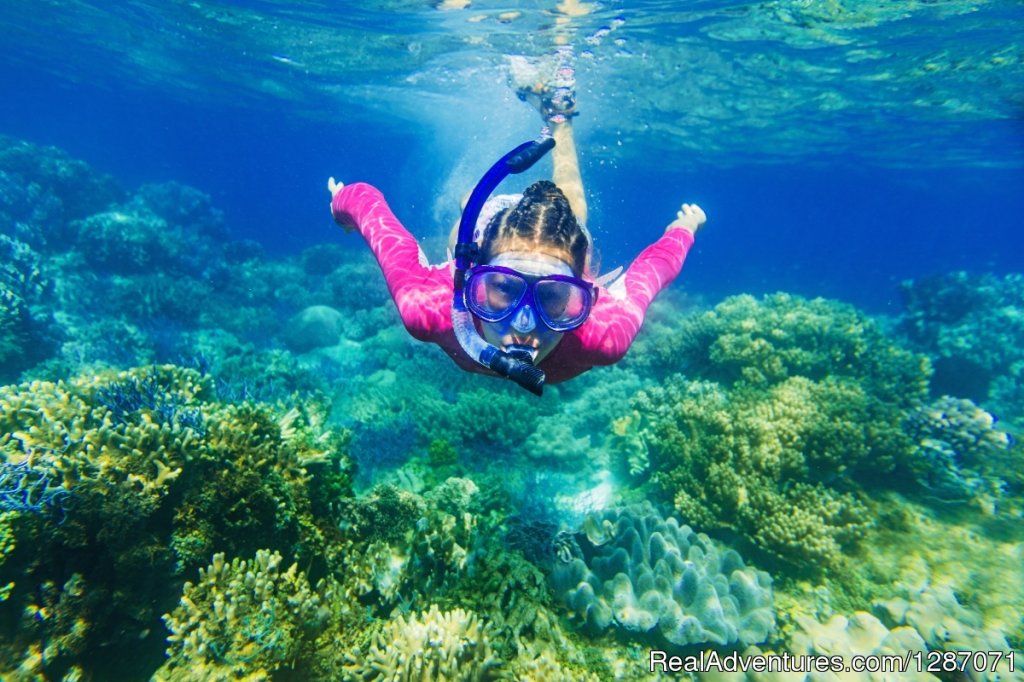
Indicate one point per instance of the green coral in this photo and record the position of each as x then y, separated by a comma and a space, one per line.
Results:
758, 462
762, 342
791, 405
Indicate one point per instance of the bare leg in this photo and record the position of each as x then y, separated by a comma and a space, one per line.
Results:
550, 86
567, 169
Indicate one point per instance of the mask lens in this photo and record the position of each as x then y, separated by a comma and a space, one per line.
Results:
564, 305
492, 295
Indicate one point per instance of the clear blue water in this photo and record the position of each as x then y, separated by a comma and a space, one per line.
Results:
838, 148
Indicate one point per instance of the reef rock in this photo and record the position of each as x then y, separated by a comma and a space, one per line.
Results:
317, 326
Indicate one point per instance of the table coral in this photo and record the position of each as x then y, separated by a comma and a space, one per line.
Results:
648, 574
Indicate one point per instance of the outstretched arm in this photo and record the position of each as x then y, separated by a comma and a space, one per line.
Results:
620, 309
421, 293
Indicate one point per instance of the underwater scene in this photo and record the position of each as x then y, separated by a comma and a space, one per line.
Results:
241, 440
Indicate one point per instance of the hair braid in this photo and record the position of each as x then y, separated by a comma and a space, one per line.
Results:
542, 219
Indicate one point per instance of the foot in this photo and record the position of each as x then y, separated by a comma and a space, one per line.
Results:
553, 93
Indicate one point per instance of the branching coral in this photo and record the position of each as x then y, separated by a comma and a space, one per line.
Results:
762, 461
243, 617
800, 401
449, 646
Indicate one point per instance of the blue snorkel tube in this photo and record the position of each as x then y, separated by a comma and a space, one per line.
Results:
518, 368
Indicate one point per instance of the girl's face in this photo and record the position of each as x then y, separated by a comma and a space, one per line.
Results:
523, 330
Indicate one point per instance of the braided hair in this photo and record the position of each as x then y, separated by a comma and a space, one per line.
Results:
541, 221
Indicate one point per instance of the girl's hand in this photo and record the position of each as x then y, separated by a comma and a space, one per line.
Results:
691, 218
334, 187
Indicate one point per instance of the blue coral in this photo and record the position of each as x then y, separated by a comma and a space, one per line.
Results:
25, 489
131, 395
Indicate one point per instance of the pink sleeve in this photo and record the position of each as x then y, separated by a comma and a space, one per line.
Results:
421, 293
619, 311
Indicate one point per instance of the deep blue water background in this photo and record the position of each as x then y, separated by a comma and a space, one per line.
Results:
831, 226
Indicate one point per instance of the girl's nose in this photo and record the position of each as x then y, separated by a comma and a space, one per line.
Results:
524, 322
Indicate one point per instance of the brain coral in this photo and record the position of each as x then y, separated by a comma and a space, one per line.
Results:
647, 574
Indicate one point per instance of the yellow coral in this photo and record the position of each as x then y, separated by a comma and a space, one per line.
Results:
65, 429
450, 646
246, 616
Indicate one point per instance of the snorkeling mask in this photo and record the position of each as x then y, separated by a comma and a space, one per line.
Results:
516, 365
494, 293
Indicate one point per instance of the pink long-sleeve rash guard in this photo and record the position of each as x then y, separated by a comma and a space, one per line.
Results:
423, 293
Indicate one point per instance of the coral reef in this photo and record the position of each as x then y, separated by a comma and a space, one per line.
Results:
784, 424
143, 474
646, 574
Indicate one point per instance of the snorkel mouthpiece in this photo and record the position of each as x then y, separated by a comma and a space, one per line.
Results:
513, 365
518, 366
